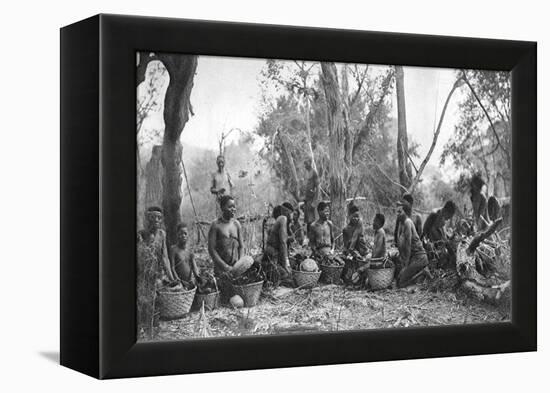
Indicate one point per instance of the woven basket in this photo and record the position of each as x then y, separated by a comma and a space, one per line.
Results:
211, 301
331, 274
250, 293
380, 278
305, 279
174, 305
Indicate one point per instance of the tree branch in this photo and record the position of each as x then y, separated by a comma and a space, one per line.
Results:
416, 179
465, 77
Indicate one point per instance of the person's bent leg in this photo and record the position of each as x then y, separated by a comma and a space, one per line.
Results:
406, 275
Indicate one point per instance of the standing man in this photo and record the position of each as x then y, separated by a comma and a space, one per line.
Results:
221, 181
311, 193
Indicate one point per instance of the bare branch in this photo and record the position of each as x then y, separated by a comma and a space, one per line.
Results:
416, 179
465, 77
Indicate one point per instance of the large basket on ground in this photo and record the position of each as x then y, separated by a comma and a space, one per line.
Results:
331, 274
305, 279
380, 278
175, 304
250, 293
211, 301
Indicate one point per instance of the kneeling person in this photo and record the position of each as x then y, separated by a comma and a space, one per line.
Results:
225, 244
412, 256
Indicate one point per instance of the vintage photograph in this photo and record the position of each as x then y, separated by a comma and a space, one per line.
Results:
288, 196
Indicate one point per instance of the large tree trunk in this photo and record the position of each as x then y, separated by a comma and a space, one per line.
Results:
338, 138
154, 175
405, 171
294, 185
177, 108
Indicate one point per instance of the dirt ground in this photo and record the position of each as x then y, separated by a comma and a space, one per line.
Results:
333, 308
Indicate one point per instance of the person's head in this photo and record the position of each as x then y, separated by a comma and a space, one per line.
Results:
277, 211
448, 210
323, 208
227, 206
220, 162
153, 218
378, 221
476, 182
354, 215
307, 163
289, 210
409, 198
404, 209
182, 233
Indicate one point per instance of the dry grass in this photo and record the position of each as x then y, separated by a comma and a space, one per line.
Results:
334, 308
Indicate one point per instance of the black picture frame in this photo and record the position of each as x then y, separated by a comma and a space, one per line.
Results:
98, 194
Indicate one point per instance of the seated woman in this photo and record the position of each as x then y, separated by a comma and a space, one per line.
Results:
275, 261
412, 256
225, 244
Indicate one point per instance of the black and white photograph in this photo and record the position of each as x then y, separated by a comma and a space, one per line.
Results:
287, 196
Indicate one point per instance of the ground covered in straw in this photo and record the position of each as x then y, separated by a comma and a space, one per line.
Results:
333, 308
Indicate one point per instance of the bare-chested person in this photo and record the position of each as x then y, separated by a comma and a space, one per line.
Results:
417, 220
479, 201
182, 257
311, 193
153, 267
221, 181
321, 232
412, 256
276, 262
379, 243
225, 244
353, 234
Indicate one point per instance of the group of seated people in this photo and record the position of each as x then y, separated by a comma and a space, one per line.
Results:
225, 241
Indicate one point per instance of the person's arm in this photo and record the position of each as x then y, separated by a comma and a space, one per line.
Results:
379, 245
312, 237
212, 239
283, 238
214, 189
396, 230
229, 182
165, 261
418, 225
239, 239
172, 258
405, 249
355, 236
194, 266
331, 229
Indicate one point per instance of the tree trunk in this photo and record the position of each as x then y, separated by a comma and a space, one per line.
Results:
294, 185
154, 175
405, 171
177, 108
337, 144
